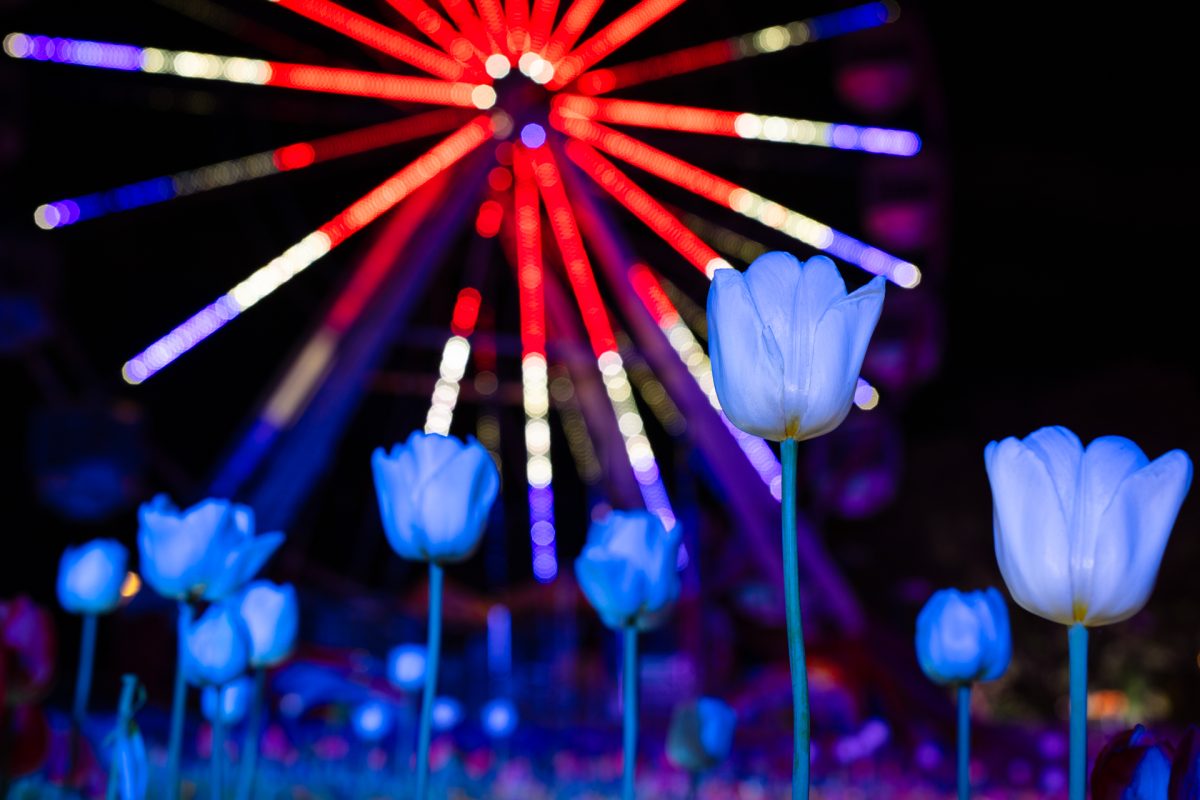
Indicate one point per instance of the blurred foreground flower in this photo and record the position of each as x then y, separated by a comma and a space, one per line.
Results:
701, 734
1079, 538
90, 576
231, 701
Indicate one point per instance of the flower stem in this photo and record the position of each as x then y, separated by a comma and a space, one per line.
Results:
964, 741
253, 734
83, 688
218, 746
1077, 639
431, 673
178, 701
630, 709
129, 685
795, 627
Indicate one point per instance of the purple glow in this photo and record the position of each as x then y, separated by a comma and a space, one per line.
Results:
184, 337
533, 136
541, 533
81, 52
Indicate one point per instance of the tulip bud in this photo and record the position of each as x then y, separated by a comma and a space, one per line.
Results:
216, 647
90, 576
1131, 765
627, 569
701, 734
964, 637
272, 617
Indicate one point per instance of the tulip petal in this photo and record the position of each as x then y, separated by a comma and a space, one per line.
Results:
746, 360
1030, 530
455, 501
611, 584
774, 281
241, 564
1136, 526
395, 478
1062, 454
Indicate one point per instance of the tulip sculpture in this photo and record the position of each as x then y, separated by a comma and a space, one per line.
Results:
271, 615
627, 570
89, 584
216, 650
435, 493
204, 553
963, 638
787, 343
700, 737
1080, 534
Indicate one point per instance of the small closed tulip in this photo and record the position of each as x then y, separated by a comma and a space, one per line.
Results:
1132, 766
964, 637
90, 576
701, 734
272, 618
627, 569
208, 551
230, 701
435, 493
216, 647
787, 343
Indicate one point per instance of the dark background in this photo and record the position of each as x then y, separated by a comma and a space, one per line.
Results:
1068, 294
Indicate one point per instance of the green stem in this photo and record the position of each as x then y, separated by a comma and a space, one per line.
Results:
178, 701
431, 673
124, 716
1077, 639
83, 688
253, 734
795, 627
218, 746
964, 741
630, 710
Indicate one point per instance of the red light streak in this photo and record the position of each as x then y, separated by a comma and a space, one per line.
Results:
437, 159
429, 22
464, 17
380, 37
573, 24
643, 206
370, 84
518, 24
303, 154
651, 293
544, 12
570, 245
492, 14
466, 312
613, 36
679, 62
530, 268
686, 119
489, 219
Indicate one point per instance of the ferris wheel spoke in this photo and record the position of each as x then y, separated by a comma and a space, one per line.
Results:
725, 51
491, 13
249, 71
468, 23
540, 23
295, 156
615, 35
429, 22
308, 250
573, 24
517, 12
737, 198
743, 125
380, 37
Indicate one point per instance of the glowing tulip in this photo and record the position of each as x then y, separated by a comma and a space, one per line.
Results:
372, 720
406, 666
787, 344
231, 701
963, 637
1079, 538
208, 551
701, 734
435, 494
627, 569
216, 647
90, 576
1080, 533
1132, 766
272, 617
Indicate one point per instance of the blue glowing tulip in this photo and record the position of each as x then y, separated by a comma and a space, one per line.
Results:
90, 576
435, 494
372, 720
216, 647
963, 637
406, 666
272, 617
787, 344
499, 718
1132, 766
208, 551
627, 569
231, 701
701, 734
1080, 533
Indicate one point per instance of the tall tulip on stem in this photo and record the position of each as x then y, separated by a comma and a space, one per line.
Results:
435, 493
787, 343
1080, 534
627, 571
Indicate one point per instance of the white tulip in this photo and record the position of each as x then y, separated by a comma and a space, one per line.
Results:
1080, 533
787, 344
